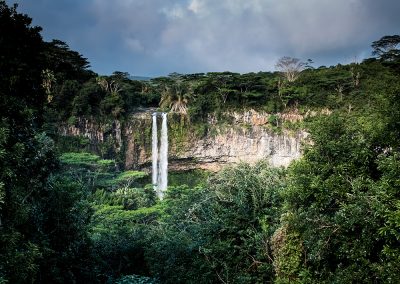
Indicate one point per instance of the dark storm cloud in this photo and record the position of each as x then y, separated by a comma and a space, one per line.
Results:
154, 37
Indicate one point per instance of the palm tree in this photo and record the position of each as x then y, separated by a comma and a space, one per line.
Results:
176, 97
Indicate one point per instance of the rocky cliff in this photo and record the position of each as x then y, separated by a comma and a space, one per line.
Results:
246, 137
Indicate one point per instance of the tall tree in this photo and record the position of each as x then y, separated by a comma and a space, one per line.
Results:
28, 237
66, 63
386, 48
290, 67
176, 94
21, 104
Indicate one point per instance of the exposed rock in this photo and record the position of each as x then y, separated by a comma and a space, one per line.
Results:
84, 127
137, 138
117, 135
247, 138
240, 144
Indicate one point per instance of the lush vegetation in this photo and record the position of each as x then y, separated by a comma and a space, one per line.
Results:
75, 217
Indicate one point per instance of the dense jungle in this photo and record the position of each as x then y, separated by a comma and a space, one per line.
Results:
71, 211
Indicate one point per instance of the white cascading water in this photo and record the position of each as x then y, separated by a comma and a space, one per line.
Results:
154, 152
163, 178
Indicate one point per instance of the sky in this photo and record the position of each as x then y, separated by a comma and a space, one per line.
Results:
158, 37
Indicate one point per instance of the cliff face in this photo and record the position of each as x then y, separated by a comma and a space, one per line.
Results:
237, 144
246, 138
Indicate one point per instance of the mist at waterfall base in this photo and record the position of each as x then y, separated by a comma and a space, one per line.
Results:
160, 158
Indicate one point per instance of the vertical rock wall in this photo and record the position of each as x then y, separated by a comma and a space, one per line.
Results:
247, 137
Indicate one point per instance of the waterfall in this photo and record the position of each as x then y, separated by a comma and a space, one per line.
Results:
160, 159
163, 156
154, 152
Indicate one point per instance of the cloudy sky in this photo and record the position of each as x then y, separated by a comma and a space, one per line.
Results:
158, 37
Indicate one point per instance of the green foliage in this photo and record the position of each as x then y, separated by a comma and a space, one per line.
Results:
89, 100
82, 159
66, 144
387, 190
334, 219
96, 172
287, 255
191, 178
273, 120
128, 176
135, 279
118, 238
114, 218
220, 233
129, 198
65, 63
26, 155
63, 98
65, 219
88, 169
386, 48
335, 206
112, 104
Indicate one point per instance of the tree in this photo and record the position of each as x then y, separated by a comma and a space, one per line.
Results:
221, 232
223, 84
176, 96
290, 67
338, 203
386, 48
28, 234
48, 82
20, 67
110, 86
65, 63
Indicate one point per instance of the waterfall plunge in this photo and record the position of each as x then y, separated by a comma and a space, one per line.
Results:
160, 167
164, 155
154, 152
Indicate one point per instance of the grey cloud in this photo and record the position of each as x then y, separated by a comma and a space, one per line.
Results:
154, 37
